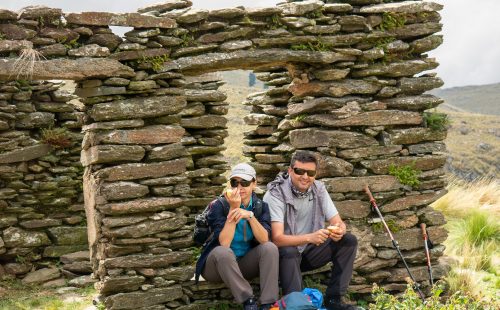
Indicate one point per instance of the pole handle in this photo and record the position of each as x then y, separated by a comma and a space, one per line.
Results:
369, 193
424, 230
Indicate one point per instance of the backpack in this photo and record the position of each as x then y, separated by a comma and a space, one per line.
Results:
296, 301
202, 231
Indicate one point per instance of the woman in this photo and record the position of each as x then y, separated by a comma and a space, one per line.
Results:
240, 248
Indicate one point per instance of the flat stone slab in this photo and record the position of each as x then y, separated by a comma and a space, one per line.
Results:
25, 154
114, 19
314, 137
142, 170
402, 7
68, 69
137, 108
250, 59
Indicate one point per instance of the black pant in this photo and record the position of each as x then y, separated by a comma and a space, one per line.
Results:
341, 253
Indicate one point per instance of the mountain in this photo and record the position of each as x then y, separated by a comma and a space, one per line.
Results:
482, 99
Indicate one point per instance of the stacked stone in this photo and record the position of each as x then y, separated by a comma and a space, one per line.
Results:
360, 116
343, 87
41, 214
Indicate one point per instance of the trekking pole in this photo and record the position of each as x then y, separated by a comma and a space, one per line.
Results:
394, 242
427, 246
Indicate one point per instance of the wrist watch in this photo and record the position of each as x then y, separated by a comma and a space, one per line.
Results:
251, 215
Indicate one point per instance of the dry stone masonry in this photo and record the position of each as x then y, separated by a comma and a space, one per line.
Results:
347, 82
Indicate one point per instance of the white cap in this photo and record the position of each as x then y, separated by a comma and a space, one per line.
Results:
244, 171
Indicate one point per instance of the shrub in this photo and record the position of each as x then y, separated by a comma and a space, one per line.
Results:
391, 20
410, 300
436, 121
59, 138
407, 174
156, 62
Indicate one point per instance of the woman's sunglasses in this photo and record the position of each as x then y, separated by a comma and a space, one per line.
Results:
243, 183
300, 171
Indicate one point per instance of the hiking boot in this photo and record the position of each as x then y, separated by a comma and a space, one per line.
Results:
331, 304
250, 304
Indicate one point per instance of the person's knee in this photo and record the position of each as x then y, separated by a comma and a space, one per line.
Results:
350, 240
288, 252
269, 249
222, 253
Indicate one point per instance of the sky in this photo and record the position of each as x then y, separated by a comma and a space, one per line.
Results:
470, 54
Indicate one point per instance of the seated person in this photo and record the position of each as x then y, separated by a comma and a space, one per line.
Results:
240, 248
299, 206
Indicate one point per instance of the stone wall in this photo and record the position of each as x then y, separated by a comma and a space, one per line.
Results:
347, 85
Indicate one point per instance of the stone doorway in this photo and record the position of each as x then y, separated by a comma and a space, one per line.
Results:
347, 89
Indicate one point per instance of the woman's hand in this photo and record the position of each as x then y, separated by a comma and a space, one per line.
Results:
234, 198
237, 214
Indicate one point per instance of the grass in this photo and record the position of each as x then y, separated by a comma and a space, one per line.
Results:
28, 297
472, 211
407, 174
25, 63
436, 121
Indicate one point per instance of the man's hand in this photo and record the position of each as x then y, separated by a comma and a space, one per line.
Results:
336, 232
319, 236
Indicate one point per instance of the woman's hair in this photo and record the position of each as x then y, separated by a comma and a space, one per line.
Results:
303, 157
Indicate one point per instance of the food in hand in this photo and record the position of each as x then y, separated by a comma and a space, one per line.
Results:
229, 189
334, 228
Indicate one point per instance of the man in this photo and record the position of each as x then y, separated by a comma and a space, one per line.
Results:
299, 207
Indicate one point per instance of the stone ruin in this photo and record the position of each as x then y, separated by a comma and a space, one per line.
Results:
146, 138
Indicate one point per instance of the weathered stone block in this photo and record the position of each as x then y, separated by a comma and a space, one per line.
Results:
147, 261
149, 298
120, 284
137, 108
353, 209
16, 237
410, 239
427, 162
124, 19
123, 190
68, 235
25, 154
141, 171
411, 201
373, 118
369, 151
141, 205
101, 154
334, 89
206, 121
357, 184
146, 228
156, 134
415, 135
41, 275
313, 137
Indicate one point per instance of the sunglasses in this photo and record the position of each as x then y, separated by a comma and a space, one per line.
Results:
300, 171
243, 183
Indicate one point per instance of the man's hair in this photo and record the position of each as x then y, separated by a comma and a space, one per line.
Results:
303, 157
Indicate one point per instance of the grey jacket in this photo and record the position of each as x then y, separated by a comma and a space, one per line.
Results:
280, 188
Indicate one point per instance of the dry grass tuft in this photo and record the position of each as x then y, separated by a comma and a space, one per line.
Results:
465, 197
25, 63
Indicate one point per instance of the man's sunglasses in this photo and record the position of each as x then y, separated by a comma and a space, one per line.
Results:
300, 171
243, 183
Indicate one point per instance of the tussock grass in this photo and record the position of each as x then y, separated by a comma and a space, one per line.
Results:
473, 214
464, 197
